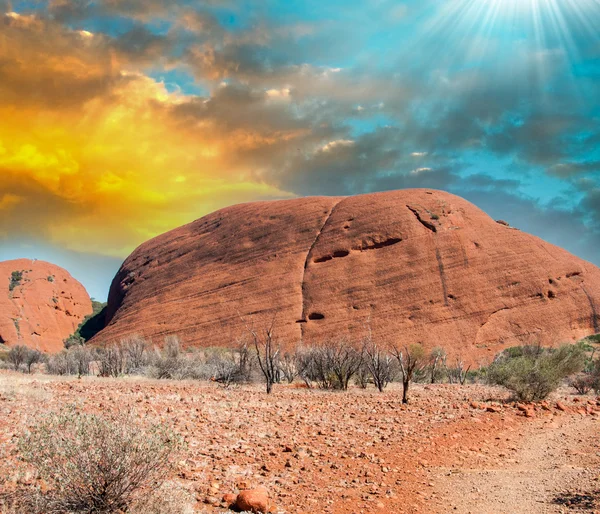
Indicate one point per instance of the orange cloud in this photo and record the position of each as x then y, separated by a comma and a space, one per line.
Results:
98, 157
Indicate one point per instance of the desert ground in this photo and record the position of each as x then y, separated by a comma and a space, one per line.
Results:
452, 449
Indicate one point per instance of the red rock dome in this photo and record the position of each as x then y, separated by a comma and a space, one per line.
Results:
413, 265
40, 304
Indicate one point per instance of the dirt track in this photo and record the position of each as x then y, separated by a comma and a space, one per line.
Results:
541, 467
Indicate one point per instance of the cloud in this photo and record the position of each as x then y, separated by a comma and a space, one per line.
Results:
281, 102
90, 150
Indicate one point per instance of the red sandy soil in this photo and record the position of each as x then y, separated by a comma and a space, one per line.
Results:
452, 449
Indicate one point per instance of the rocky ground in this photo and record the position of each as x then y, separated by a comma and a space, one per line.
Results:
453, 449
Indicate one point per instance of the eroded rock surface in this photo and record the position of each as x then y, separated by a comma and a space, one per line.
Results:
40, 305
413, 265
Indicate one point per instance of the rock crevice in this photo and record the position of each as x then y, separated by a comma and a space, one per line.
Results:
307, 263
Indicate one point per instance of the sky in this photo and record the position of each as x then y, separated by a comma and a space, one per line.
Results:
122, 119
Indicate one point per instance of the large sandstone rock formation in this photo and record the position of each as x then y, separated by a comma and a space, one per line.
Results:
412, 266
42, 308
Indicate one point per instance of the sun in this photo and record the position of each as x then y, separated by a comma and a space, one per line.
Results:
483, 31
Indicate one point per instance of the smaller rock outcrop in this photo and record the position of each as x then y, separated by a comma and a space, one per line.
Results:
40, 304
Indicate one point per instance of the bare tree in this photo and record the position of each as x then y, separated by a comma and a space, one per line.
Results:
267, 353
245, 361
342, 359
288, 367
79, 359
134, 349
457, 374
32, 357
379, 364
409, 358
437, 359
305, 363
17, 355
225, 369
362, 376
111, 361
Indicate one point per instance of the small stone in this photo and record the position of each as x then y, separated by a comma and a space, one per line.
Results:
229, 498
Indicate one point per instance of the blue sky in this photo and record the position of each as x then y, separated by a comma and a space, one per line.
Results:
495, 100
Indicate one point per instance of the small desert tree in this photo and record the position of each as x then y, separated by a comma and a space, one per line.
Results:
111, 361
306, 365
134, 350
97, 464
288, 367
342, 359
80, 358
409, 359
32, 357
457, 373
437, 359
17, 355
223, 366
379, 363
267, 353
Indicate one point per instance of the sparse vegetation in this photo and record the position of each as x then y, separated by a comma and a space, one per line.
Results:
73, 340
171, 362
74, 361
409, 358
32, 357
15, 280
531, 372
17, 355
267, 353
436, 366
458, 372
288, 367
379, 364
331, 364
583, 383
89, 327
96, 464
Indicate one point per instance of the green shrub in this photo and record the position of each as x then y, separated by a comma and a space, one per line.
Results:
73, 340
96, 464
532, 372
595, 374
15, 279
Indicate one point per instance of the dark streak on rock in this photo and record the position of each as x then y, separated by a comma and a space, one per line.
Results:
595, 316
307, 261
438, 256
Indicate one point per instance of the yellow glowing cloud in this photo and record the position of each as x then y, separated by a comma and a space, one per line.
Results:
103, 170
